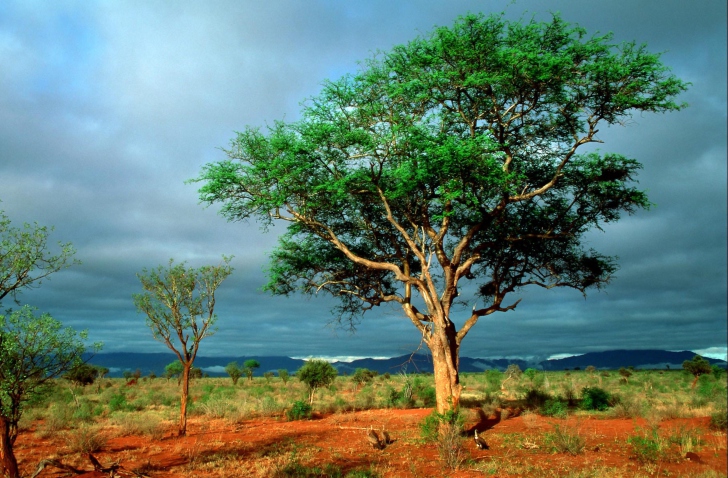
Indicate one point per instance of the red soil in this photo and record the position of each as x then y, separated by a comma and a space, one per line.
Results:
517, 447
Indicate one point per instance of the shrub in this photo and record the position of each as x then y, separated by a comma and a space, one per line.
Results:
595, 398
118, 402
718, 371
648, 446
445, 430
555, 408
363, 376
564, 441
85, 439
719, 420
82, 374
299, 411
316, 374
234, 371
536, 398
283, 374
494, 379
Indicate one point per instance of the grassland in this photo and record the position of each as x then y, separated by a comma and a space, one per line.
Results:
574, 423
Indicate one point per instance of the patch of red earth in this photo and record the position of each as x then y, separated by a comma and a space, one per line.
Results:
340, 439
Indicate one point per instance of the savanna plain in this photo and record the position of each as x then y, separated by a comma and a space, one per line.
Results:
568, 424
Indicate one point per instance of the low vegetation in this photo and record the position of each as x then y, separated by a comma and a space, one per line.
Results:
89, 416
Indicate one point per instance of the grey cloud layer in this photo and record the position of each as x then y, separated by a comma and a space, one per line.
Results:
107, 108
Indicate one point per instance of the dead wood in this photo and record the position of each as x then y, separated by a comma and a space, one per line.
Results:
113, 470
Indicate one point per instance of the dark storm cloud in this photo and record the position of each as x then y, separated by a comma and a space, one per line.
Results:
107, 108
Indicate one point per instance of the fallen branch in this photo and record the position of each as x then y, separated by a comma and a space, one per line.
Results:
111, 470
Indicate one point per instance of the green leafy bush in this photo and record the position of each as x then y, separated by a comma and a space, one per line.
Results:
555, 408
595, 398
299, 411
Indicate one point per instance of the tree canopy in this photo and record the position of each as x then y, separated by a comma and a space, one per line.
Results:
448, 161
33, 350
25, 259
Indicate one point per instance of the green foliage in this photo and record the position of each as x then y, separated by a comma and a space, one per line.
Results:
719, 419
718, 371
299, 411
249, 367
34, 349
268, 376
234, 371
463, 142
25, 260
82, 374
494, 378
118, 403
283, 374
173, 369
179, 303
697, 366
555, 407
595, 398
363, 376
648, 446
316, 374
430, 425
445, 431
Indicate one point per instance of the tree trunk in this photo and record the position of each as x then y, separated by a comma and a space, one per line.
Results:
8, 463
445, 361
183, 399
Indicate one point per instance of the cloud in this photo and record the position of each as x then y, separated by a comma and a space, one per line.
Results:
107, 109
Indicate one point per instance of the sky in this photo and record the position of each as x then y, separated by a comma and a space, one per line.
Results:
108, 107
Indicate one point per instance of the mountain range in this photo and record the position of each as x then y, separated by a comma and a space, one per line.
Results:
119, 362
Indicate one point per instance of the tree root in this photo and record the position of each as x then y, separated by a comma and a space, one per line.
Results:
113, 470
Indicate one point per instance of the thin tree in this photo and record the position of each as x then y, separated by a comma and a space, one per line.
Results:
33, 350
179, 303
444, 176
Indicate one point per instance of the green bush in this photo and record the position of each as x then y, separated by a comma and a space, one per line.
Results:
719, 420
118, 402
647, 447
595, 398
555, 408
299, 411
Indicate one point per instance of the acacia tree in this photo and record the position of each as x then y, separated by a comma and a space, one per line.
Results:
697, 366
33, 350
448, 161
249, 367
179, 303
25, 260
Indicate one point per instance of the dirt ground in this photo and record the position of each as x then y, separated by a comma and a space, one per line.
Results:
265, 446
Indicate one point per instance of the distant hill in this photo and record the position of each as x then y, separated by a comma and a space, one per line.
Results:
118, 362
615, 359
